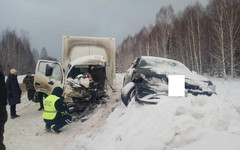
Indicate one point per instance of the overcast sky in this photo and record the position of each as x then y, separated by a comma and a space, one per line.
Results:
47, 20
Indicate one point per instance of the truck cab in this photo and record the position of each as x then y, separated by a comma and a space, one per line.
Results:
46, 84
87, 62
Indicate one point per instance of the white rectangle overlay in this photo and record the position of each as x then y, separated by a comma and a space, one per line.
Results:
176, 85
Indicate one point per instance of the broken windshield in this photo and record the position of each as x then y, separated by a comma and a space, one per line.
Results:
163, 64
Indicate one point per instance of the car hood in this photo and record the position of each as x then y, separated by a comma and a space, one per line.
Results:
193, 81
189, 76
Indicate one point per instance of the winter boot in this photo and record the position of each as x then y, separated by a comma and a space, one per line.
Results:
48, 127
14, 116
54, 129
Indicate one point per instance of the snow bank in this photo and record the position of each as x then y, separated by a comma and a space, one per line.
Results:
174, 123
20, 78
218, 141
209, 123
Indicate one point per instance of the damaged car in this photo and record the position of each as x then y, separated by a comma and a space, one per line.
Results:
146, 80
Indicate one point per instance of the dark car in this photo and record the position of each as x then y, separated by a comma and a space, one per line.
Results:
146, 80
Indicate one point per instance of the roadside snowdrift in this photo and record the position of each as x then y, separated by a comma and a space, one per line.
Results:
209, 123
174, 123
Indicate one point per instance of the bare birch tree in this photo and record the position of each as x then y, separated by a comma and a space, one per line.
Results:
15, 52
164, 21
232, 14
217, 16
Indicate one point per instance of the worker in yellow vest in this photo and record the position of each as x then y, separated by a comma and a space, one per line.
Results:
53, 111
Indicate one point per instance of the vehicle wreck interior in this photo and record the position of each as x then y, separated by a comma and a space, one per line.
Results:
96, 72
86, 95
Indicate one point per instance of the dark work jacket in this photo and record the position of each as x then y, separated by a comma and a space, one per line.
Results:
13, 90
3, 98
60, 107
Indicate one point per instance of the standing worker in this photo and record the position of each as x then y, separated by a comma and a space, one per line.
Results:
39, 99
28, 81
13, 92
53, 111
3, 111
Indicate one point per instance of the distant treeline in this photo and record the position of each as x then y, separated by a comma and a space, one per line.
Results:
206, 40
16, 52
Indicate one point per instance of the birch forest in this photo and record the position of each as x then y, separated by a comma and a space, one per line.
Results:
206, 40
16, 52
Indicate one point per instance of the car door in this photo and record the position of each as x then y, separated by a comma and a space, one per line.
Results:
46, 84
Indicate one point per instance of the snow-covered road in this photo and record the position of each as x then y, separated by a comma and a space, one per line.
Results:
27, 132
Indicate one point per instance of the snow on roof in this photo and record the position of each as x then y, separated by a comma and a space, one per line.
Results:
168, 66
164, 65
89, 60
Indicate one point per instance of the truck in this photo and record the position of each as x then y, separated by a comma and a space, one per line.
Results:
88, 66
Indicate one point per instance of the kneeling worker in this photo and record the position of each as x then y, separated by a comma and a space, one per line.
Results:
53, 111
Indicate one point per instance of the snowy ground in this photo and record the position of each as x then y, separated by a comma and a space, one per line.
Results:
189, 123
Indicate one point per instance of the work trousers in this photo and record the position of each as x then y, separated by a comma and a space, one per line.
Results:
58, 122
13, 110
31, 93
40, 99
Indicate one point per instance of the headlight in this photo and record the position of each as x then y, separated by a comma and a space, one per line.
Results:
161, 79
213, 88
210, 83
146, 77
149, 78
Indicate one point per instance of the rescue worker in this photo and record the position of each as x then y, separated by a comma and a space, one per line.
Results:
28, 81
39, 98
53, 111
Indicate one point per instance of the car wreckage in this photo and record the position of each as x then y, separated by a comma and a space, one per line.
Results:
147, 80
88, 66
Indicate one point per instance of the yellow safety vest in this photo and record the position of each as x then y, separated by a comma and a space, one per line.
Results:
50, 111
